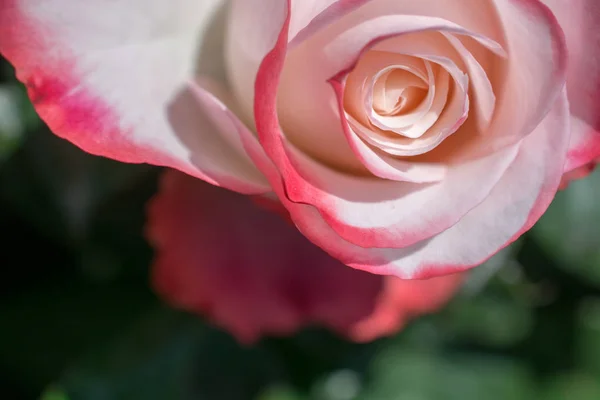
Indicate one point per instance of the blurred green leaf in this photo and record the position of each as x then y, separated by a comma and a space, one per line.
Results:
54, 394
150, 360
492, 320
279, 392
572, 386
342, 384
570, 232
50, 326
401, 372
61, 188
166, 354
478, 277
12, 125
588, 336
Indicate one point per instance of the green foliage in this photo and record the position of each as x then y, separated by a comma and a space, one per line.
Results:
570, 229
403, 372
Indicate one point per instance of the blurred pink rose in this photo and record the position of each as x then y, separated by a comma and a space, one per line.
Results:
251, 273
412, 138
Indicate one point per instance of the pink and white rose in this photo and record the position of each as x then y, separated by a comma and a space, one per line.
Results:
413, 138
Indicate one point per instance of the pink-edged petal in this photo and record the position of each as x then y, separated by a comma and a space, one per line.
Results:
413, 297
117, 87
380, 213
579, 21
515, 204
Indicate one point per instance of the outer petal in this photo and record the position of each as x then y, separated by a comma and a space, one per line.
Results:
383, 213
111, 77
515, 204
253, 274
579, 20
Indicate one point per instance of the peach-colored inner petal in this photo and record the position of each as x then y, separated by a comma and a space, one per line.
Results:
407, 104
406, 96
397, 91
400, 122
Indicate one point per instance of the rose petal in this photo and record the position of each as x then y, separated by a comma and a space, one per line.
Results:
579, 20
380, 213
482, 90
111, 78
342, 51
230, 128
536, 69
383, 164
311, 16
432, 46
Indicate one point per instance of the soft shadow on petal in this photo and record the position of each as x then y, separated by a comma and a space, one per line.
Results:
102, 75
252, 273
200, 120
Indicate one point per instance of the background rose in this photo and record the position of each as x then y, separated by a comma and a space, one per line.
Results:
365, 171
251, 273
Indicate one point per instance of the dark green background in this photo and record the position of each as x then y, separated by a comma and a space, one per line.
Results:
78, 319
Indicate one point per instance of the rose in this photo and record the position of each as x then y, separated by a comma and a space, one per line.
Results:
251, 273
404, 137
